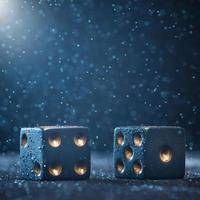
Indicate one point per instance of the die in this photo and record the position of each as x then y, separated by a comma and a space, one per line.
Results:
149, 152
55, 153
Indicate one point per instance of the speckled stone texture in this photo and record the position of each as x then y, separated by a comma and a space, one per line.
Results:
55, 153
101, 185
158, 153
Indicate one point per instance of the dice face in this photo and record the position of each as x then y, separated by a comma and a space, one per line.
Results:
129, 152
169, 162
31, 155
149, 152
55, 153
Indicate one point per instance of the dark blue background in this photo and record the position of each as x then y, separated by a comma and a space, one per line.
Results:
100, 64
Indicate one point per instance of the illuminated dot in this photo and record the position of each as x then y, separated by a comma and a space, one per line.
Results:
166, 155
120, 139
80, 169
137, 140
137, 167
128, 153
24, 140
37, 169
80, 141
120, 167
54, 141
55, 170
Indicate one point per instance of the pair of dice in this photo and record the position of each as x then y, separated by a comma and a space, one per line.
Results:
63, 153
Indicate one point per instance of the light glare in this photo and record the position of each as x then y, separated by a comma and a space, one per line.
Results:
6, 9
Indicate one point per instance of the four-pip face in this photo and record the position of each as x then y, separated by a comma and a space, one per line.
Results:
149, 152
55, 153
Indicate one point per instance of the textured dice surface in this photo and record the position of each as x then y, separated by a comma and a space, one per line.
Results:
149, 152
55, 153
